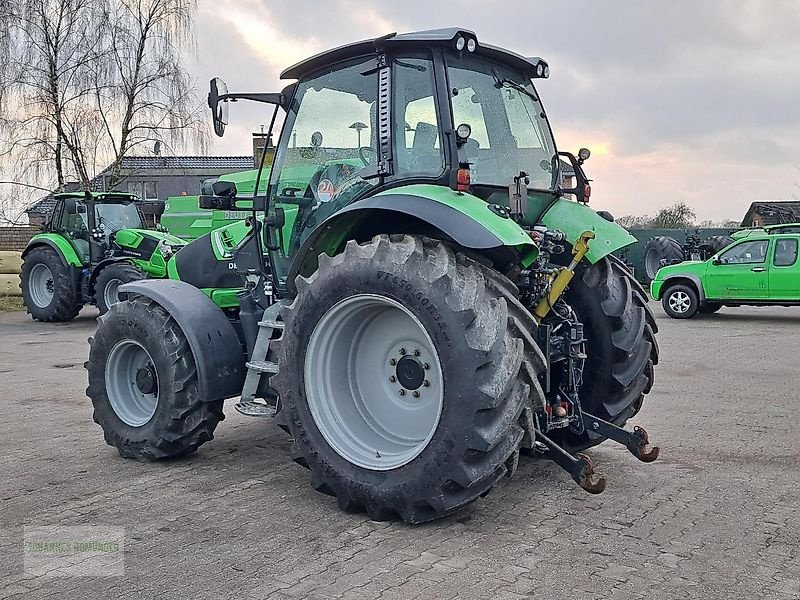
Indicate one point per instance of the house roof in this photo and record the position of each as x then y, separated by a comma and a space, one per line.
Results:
200, 163
773, 212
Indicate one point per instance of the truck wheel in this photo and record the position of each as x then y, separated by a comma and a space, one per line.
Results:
680, 302
407, 373
143, 384
106, 288
47, 288
660, 248
621, 347
717, 243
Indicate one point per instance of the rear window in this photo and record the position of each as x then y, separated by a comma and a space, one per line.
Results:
785, 253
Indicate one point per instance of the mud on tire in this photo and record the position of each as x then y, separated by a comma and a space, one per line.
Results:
181, 421
489, 363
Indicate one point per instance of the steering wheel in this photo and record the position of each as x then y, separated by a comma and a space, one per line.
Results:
362, 152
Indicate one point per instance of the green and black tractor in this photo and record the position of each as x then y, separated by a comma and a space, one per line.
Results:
92, 244
415, 298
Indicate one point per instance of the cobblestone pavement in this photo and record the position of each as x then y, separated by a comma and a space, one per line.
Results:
715, 517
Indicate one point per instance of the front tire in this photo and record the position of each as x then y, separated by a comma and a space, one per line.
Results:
343, 395
680, 302
143, 384
106, 288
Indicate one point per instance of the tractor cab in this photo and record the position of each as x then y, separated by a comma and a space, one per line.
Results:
436, 109
90, 221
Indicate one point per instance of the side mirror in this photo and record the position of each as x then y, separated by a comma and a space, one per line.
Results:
224, 188
219, 107
216, 202
70, 206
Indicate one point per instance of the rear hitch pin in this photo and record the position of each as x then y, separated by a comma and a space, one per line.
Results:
579, 467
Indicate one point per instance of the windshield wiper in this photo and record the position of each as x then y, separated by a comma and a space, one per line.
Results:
505, 82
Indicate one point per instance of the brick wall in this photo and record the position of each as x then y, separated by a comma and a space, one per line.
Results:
15, 238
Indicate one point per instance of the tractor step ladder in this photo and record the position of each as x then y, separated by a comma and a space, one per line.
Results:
258, 366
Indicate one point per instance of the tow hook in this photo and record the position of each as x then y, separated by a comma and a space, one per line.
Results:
635, 441
579, 466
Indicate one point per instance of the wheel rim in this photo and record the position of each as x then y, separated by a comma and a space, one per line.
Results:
111, 292
40, 285
680, 302
373, 381
652, 263
131, 383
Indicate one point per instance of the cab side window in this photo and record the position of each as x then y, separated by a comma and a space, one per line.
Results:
746, 253
785, 253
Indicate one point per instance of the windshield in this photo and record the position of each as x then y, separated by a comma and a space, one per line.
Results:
117, 216
509, 130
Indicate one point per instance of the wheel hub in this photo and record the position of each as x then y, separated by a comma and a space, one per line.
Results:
146, 380
410, 372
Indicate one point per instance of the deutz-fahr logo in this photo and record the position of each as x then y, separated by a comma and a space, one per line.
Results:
232, 266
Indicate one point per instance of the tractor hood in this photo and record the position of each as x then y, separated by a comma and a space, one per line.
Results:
132, 238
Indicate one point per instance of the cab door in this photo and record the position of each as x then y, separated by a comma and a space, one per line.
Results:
784, 271
740, 272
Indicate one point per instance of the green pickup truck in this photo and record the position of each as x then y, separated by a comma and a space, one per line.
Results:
760, 268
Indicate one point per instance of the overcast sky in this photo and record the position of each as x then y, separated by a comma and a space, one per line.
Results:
678, 101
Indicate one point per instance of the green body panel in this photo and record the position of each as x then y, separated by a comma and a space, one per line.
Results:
131, 238
505, 229
225, 239
67, 250
574, 218
739, 282
223, 297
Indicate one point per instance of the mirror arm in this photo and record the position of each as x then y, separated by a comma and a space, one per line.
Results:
279, 98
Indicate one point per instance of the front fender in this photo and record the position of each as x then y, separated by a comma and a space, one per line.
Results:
574, 218
657, 286
216, 348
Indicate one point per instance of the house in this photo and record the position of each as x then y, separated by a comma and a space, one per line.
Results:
772, 212
153, 179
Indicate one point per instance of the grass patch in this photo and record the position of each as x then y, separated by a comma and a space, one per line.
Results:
11, 303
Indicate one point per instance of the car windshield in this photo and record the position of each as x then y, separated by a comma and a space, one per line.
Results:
118, 216
509, 130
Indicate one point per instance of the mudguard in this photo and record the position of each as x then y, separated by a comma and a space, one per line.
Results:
58, 243
657, 286
573, 218
468, 220
215, 346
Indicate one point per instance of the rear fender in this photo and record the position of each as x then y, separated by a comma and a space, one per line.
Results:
574, 218
57, 243
217, 350
467, 220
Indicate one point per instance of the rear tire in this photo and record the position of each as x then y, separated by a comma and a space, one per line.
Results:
480, 341
143, 384
660, 248
47, 289
680, 301
717, 243
111, 277
621, 346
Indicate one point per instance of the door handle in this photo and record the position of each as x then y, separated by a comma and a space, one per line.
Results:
758, 269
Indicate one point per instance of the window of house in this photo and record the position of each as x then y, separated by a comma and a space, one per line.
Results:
146, 190
785, 253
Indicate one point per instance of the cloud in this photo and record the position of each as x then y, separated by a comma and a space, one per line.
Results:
682, 100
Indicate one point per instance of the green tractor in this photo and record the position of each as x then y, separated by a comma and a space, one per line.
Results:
92, 244
419, 302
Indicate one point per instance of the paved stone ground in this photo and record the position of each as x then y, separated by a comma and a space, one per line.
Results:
715, 517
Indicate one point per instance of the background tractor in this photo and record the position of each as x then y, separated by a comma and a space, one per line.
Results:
662, 250
417, 301
92, 244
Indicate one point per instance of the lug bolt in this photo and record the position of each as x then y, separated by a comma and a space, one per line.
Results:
595, 425
402, 351
415, 393
402, 392
392, 378
426, 383
426, 366
392, 361
417, 353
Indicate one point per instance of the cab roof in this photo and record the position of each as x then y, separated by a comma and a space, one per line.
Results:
417, 39
100, 196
